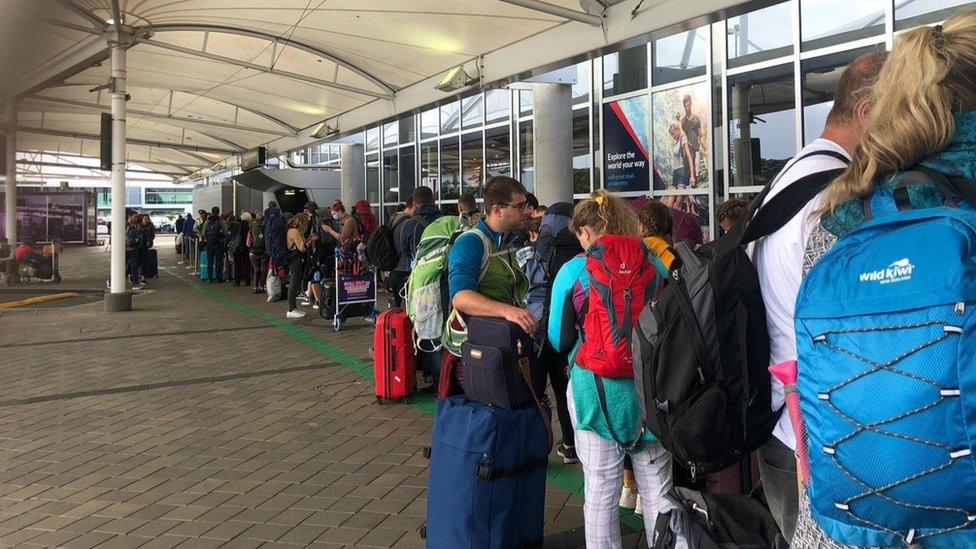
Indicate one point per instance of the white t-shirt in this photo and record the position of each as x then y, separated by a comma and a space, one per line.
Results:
779, 261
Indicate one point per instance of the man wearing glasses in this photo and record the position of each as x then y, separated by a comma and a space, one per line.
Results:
484, 277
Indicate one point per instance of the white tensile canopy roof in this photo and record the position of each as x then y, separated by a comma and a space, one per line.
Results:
209, 79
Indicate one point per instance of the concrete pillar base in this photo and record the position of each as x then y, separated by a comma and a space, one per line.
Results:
117, 303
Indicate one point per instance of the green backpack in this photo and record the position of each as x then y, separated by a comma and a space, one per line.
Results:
427, 294
257, 237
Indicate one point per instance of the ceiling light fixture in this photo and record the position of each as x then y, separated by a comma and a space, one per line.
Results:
593, 7
325, 130
455, 79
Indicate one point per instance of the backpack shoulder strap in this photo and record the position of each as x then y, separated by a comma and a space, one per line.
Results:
486, 244
784, 206
788, 202
960, 186
602, 396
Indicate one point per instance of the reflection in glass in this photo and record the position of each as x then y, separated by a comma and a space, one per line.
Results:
597, 143
372, 141
526, 156
762, 124
450, 119
389, 212
525, 102
408, 173
821, 27
679, 56
391, 177
169, 196
820, 78
472, 163
625, 71
472, 111
581, 89
581, 151
497, 105
450, 168
449, 209
407, 129
372, 179
912, 13
760, 35
391, 132
428, 165
498, 152
428, 124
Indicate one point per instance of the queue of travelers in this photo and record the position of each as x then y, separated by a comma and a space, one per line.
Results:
676, 364
884, 197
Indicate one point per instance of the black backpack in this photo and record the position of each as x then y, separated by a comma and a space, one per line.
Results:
701, 349
715, 521
381, 246
556, 245
213, 234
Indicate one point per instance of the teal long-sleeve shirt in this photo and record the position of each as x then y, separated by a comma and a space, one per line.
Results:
625, 413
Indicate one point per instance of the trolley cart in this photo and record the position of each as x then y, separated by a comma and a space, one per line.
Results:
55, 274
355, 289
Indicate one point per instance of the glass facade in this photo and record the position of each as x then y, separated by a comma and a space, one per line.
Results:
694, 117
43, 216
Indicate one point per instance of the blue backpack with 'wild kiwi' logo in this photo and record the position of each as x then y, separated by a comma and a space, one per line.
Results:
887, 370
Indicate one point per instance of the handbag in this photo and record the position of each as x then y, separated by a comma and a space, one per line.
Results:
497, 361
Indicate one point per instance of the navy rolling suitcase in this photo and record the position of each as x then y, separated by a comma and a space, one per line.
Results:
151, 268
487, 485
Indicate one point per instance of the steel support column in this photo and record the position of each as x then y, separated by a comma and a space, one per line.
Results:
117, 47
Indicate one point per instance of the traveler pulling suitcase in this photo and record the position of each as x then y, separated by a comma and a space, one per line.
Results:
487, 483
151, 268
393, 359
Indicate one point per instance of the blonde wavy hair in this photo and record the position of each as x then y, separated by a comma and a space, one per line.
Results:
929, 76
605, 214
300, 222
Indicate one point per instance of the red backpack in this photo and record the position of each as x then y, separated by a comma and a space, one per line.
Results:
622, 281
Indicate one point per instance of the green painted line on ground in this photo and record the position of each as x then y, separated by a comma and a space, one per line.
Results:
563, 477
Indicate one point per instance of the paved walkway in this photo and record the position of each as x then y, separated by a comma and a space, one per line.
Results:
204, 418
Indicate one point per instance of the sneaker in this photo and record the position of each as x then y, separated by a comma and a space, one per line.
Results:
295, 314
315, 306
628, 497
638, 508
568, 453
138, 286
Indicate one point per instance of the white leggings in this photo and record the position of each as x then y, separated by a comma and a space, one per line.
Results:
603, 475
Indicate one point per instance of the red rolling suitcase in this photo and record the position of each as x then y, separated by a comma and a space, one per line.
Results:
393, 356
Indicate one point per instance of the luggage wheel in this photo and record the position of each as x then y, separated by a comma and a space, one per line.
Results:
336, 324
423, 531
380, 401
